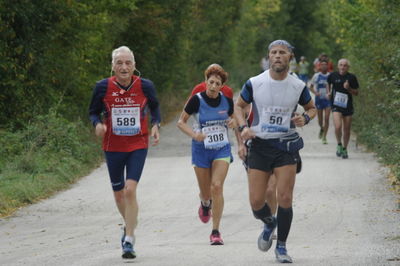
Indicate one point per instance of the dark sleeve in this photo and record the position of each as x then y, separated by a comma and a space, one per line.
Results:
96, 107
193, 105
247, 92
329, 79
354, 82
230, 102
150, 92
305, 96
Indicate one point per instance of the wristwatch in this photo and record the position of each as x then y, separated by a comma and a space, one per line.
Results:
240, 128
306, 118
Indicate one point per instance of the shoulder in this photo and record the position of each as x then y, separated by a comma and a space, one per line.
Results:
295, 82
258, 80
352, 75
147, 84
101, 86
198, 88
102, 83
227, 91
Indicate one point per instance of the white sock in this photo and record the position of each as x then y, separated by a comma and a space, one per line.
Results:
130, 239
206, 203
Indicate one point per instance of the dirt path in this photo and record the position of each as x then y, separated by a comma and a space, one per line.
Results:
344, 214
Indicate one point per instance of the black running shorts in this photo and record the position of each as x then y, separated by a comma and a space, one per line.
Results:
262, 156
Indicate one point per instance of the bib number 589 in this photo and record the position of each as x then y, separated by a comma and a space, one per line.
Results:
125, 121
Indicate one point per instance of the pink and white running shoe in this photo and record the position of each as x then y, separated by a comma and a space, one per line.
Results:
204, 213
216, 239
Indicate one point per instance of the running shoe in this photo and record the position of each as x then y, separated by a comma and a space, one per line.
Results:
281, 255
324, 141
265, 239
321, 132
204, 213
127, 251
123, 237
216, 239
344, 154
339, 150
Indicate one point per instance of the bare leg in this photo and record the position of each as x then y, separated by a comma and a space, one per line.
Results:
320, 118
326, 121
120, 201
270, 194
219, 171
132, 208
337, 121
258, 183
346, 130
204, 180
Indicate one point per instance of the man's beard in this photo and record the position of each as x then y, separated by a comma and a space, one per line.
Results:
279, 69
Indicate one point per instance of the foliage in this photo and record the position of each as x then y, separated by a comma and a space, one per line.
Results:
368, 31
45, 157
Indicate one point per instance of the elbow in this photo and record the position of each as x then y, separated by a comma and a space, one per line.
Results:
179, 124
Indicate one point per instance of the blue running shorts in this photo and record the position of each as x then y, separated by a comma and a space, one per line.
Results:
322, 103
117, 162
203, 158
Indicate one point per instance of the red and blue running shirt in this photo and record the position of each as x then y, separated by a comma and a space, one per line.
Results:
125, 112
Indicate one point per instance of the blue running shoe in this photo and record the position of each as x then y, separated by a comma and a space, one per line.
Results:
265, 239
281, 255
127, 251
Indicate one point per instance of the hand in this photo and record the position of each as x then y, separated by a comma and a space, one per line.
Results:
155, 134
299, 120
199, 136
346, 85
232, 123
242, 151
328, 96
100, 129
317, 93
247, 133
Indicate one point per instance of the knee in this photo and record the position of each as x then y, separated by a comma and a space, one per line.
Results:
271, 192
130, 192
285, 199
257, 203
119, 197
216, 189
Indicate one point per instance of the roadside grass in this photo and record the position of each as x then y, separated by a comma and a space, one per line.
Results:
46, 157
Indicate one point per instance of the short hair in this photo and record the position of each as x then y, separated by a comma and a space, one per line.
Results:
119, 50
215, 69
323, 61
344, 59
281, 42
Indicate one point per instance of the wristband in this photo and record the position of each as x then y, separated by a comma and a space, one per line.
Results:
307, 118
240, 128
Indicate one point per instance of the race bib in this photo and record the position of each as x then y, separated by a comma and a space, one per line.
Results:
125, 121
341, 99
275, 119
322, 92
216, 136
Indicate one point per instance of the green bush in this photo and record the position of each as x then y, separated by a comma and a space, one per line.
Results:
47, 156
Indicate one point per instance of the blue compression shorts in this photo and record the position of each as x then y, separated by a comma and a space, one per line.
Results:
203, 158
117, 162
